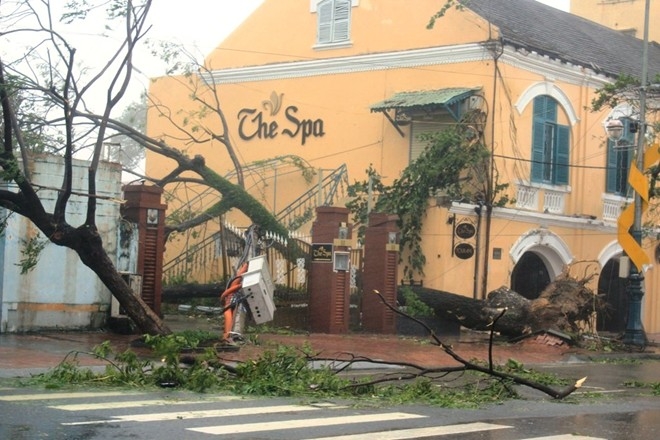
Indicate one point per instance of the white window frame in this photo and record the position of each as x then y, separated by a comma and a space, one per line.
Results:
332, 41
313, 4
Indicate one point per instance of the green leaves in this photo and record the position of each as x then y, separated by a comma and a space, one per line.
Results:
452, 162
31, 250
415, 307
446, 7
611, 94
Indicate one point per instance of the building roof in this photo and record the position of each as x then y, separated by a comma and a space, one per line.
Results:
424, 98
533, 26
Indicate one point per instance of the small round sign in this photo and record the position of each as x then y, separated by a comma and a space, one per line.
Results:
464, 251
465, 230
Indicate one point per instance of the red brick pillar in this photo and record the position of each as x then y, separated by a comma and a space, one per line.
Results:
143, 207
329, 276
381, 260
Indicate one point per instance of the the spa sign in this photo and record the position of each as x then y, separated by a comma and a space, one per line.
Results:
322, 252
465, 230
268, 123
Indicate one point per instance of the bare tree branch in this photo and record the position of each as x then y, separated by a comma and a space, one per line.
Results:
489, 370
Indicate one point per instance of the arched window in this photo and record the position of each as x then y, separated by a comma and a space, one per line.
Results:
550, 144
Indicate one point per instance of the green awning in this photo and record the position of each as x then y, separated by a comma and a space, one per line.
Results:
424, 99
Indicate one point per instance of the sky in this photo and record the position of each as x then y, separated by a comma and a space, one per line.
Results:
199, 26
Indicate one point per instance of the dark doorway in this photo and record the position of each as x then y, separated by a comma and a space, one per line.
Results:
613, 290
530, 276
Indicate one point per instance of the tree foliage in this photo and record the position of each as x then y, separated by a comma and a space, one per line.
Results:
455, 162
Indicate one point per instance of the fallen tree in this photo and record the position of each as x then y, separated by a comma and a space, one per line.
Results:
564, 305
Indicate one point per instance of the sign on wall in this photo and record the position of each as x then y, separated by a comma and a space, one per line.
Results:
322, 252
464, 231
464, 251
268, 123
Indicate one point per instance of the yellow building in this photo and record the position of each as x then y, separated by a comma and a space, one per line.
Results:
352, 83
626, 16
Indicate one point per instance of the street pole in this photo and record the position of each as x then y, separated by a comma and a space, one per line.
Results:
634, 334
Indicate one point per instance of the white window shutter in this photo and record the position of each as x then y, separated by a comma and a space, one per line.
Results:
342, 20
324, 12
334, 21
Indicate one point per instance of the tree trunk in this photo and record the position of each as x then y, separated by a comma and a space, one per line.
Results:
562, 306
89, 246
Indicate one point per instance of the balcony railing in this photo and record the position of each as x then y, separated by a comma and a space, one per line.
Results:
528, 196
612, 207
553, 202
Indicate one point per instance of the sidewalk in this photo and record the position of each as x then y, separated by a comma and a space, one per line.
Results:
25, 354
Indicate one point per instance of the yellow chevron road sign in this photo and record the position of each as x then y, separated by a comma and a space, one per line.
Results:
639, 183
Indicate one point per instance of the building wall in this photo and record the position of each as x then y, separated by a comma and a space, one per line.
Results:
621, 15
268, 63
59, 292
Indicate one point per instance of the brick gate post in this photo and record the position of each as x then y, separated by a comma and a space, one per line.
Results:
381, 261
329, 272
143, 207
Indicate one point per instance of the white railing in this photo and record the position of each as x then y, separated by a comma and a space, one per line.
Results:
527, 197
553, 202
612, 207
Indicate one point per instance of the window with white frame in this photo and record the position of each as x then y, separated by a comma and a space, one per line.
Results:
550, 144
333, 22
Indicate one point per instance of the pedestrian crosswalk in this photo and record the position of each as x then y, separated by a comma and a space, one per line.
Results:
230, 417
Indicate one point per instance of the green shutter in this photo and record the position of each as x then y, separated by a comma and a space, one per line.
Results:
563, 151
537, 150
625, 163
611, 172
536, 168
618, 162
540, 103
550, 109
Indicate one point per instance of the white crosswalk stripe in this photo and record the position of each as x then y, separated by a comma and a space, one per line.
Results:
565, 437
140, 403
413, 433
54, 396
304, 423
180, 415
222, 415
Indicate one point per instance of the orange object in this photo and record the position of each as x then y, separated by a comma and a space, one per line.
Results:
227, 296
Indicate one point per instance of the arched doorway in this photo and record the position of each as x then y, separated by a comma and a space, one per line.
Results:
613, 291
530, 276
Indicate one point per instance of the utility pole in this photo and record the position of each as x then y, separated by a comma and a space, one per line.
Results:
634, 334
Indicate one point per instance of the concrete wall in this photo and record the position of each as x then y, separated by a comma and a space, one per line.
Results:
59, 292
